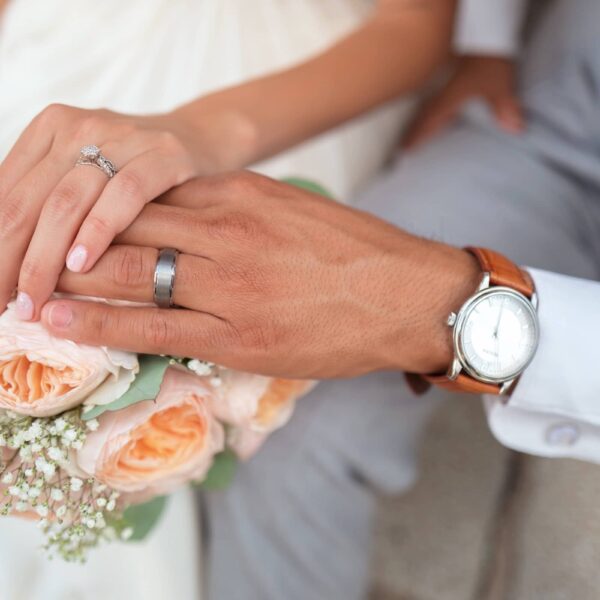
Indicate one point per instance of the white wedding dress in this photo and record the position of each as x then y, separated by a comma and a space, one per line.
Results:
142, 56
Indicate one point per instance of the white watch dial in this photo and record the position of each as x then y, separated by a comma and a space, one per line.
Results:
498, 335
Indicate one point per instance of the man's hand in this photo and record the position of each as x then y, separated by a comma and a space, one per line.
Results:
275, 280
492, 79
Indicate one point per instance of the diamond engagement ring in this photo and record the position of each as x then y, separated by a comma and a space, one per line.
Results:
164, 277
91, 155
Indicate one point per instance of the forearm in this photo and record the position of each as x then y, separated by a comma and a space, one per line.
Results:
392, 54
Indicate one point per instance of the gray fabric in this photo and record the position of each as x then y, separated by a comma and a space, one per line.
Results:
295, 525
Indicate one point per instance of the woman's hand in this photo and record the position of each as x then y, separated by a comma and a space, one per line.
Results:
52, 211
493, 79
272, 279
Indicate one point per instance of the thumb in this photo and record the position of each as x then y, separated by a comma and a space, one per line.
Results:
509, 113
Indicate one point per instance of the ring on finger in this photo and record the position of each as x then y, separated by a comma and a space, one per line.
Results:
92, 156
164, 277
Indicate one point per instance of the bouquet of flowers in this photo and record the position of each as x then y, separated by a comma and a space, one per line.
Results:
92, 440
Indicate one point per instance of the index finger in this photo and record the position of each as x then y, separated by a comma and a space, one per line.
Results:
31, 147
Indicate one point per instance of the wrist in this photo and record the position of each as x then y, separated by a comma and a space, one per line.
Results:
443, 278
456, 280
223, 138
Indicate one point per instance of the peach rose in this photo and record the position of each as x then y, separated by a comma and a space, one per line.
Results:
255, 406
42, 376
260, 403
153, 447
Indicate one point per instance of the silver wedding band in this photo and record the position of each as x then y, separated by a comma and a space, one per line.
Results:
164, 277
91, 156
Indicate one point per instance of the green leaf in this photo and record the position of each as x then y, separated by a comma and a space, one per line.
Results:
308, 185
221, 473
142, 518
144, 387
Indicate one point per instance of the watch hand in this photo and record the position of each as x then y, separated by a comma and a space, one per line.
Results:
499, 319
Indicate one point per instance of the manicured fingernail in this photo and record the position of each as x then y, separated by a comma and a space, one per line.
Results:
77, 258
24, 306
60, 316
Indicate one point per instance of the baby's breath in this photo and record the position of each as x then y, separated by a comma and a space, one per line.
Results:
75, 513
202, 368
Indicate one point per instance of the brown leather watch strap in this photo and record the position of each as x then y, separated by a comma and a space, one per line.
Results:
420, 384
464, 383
502, 271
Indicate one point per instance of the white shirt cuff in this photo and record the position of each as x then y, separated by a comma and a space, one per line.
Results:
491, 27
555, 408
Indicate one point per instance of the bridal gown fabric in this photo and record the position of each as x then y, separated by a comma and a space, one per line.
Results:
143, 56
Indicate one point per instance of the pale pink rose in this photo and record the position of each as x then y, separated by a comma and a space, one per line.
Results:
154, 446
42, 376
245, 442
260, 403
255, 406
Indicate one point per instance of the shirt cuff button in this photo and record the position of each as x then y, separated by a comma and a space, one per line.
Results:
563, 434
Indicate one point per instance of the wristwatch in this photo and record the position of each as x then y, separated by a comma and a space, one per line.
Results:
495, 333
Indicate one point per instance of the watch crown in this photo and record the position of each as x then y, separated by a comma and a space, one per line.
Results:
451, 319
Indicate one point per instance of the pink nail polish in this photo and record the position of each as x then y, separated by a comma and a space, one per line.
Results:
60, 316
24, 306
77, 258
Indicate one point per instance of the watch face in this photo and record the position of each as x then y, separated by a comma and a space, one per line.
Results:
497, 334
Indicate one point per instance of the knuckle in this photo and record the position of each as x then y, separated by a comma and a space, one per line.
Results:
102, 324
175, 220
239, 183
157, 332
54, 113
224, 336
195, 228
246, 177
123, 128
90, 124
252, 279
235, 225
62, 201
99, 227
13, 219
128, 268
31, 271
170, 142
254, 338
130, 185
244, 279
